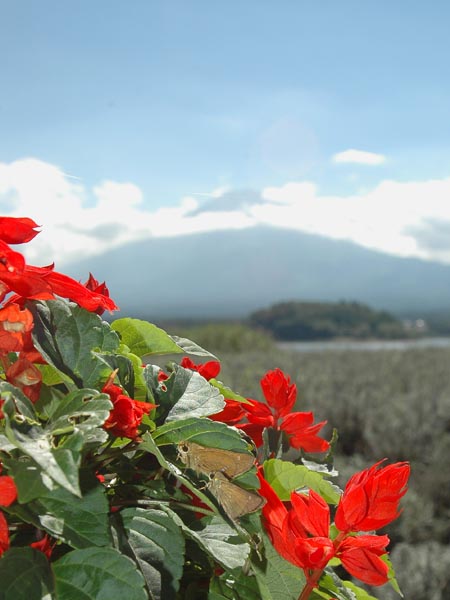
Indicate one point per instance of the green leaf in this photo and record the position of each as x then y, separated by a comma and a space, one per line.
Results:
143, 338
98, 574
220, 541
29, 479
80, 522
227, 392
25, 575
235, 586
81, 410
53, 376
391, 574
286, 477
17, 407
158, 546
205, 432
360, 594
337, 588
190, 347
67, 336
59, 464
189, 394
277, 578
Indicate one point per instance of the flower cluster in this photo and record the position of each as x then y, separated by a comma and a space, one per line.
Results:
68, 388
281, 396
26, 282
302, 536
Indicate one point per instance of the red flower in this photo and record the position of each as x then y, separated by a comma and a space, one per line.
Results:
44, 545
8, 490
15, 323
126, 415
303, 434
26, 376
279, 392
360, 556
4, 534
17, 230
301, 535
280, 395
208, 370
371, 497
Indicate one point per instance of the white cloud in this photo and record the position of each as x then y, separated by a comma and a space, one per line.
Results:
401, 218
360, 157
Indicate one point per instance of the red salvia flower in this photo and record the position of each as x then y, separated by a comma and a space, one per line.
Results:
44, 545
4, 534
8, 490
301, 534
15, 323
279, 392
17, 230
208, 370
360, 556
280, 395
126, 415
371, 497
26, 376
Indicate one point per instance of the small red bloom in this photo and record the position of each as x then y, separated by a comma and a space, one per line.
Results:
360, 556
4, 534
279, 392
231, 414
26, 376
208, 370
98, 288
15, 323
371, 497
44, 545
17, 230
8, 490
301, 536
302, 432
126, 415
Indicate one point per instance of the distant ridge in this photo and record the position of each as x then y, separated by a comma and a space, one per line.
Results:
231, 273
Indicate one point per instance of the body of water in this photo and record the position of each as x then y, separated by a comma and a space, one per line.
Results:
365, 345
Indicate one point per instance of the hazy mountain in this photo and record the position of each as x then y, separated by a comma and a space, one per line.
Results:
231, 273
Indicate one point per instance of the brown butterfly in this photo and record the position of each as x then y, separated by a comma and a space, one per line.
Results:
235, 501
211, 460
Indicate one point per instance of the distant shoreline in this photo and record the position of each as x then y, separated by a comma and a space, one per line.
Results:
368, 345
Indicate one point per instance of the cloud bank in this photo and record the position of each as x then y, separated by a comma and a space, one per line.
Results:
401, 218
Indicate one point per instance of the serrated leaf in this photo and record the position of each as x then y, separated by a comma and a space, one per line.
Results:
66, 335
61, 465
205, 432
80, 522
227, 392
158, 546
189, 394
277, 578
25, 575
143, 338
16, 406
81, 410
220, 541
97, 574
391, 574
286, 477
190, 347
360, 594
29, 479
235, 586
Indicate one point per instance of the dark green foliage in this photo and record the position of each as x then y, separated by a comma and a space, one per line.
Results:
323, 320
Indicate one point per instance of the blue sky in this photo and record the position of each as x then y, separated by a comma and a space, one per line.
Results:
157, 109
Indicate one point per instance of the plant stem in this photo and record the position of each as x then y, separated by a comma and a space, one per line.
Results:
311, 583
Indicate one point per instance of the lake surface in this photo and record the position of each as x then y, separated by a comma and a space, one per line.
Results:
365, 345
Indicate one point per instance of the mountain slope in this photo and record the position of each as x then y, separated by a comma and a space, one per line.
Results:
230, 273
